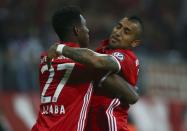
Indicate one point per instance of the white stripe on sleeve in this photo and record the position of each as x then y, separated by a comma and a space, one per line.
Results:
119, 66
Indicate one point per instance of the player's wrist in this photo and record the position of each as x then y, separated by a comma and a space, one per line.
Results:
60, 48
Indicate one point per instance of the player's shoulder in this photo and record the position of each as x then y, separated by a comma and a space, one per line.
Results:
122, 54
119, 55
131, 54
127, 52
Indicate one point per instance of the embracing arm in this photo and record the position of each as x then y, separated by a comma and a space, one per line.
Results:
87, 57
91, 58
120, 88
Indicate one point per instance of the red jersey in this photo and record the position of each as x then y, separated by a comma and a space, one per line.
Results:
106, 113
65, 91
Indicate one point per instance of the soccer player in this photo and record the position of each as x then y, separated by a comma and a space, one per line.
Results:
107, 113
113, 115
65, 85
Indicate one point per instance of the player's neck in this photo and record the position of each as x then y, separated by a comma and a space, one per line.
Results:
70, 39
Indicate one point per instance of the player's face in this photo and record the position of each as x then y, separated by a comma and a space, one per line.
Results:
124, 34
83, 33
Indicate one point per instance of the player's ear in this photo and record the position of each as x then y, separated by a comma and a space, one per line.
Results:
136, 43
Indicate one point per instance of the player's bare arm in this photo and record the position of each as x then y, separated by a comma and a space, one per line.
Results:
87, 57
120, 88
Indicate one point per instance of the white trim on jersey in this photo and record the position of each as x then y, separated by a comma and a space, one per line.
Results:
111, 118
119, 66
85, 105
115, 59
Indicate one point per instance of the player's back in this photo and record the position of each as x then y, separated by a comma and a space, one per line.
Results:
64, 95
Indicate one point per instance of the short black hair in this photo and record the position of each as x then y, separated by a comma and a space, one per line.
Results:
64, 19
135, 18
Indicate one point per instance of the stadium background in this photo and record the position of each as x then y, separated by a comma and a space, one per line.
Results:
25, 30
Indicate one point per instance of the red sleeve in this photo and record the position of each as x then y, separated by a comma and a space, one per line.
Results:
129, 67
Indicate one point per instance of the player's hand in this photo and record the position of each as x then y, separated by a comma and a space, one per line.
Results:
51, 53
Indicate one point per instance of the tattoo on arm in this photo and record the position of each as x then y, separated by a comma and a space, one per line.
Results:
91, 58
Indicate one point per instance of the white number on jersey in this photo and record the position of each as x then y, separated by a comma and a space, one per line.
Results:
66, 66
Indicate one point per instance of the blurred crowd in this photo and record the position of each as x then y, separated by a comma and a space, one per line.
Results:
25, 31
